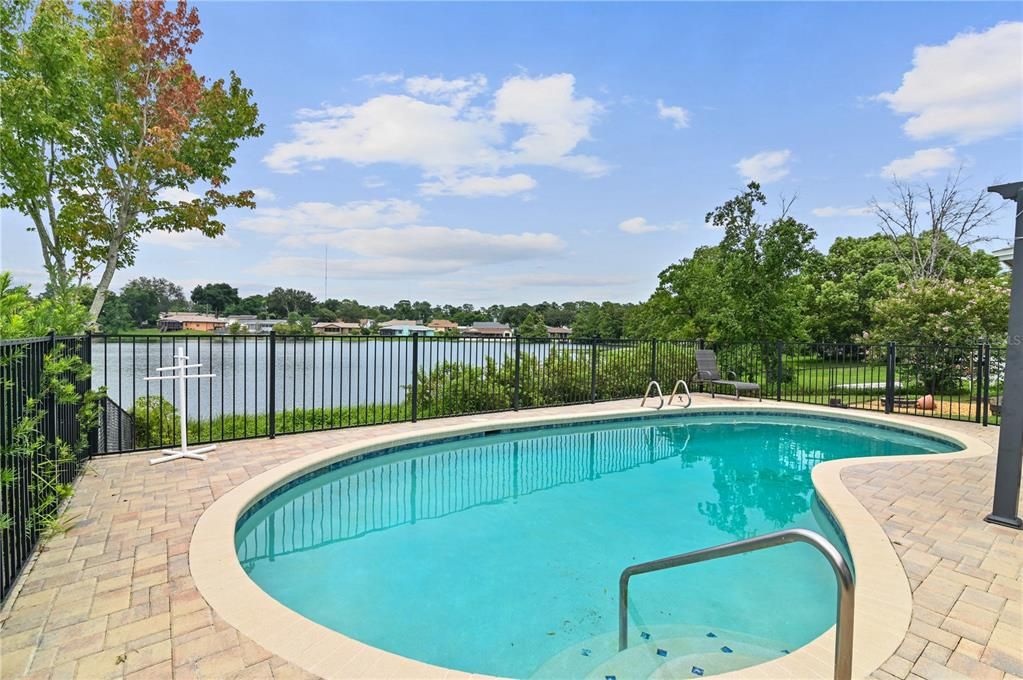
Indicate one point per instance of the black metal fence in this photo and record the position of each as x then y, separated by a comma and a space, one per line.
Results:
38, 433
265, 385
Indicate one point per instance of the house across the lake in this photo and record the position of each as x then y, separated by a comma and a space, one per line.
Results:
336, 328
254, 325
189, 321
443, 325
404, 327
488, 329
559, 332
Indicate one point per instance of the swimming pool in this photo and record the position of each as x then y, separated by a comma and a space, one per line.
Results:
500, 554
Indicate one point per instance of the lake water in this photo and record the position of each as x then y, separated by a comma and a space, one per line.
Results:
310, 372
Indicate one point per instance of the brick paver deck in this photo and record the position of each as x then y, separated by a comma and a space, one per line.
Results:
114, 596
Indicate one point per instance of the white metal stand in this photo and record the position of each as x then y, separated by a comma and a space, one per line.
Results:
181, 375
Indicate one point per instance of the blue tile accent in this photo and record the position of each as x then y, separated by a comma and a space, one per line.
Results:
610, 677
726, 649
662, 652
587, 652
645, 635
785, 651
711, 635
696, 670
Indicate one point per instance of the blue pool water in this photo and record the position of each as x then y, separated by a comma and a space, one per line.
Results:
500, 554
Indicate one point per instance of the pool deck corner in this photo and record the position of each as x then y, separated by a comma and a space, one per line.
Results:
136, 588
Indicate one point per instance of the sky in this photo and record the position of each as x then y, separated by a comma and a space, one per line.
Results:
505, 153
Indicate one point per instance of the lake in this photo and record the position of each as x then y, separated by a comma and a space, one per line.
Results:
310, 372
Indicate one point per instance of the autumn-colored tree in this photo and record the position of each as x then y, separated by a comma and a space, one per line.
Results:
107, 129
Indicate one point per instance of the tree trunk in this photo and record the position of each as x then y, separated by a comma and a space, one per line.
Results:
53, 259
103, 286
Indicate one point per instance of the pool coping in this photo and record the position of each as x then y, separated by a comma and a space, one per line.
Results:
883, 597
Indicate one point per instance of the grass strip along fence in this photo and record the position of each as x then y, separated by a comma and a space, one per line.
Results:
266, 385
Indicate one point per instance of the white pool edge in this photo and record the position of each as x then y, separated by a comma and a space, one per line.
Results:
883, 597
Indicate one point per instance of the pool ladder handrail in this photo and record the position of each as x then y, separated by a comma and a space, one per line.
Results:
660, 395
846, 584
674, 391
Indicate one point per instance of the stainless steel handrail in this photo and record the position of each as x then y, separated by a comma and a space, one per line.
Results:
660, 395
674, 391
846, 584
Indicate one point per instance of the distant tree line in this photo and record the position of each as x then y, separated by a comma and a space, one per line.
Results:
141, 301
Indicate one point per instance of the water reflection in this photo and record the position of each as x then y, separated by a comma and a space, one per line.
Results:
756, 469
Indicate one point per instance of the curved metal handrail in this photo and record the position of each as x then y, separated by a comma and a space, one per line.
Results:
846, 584
660, 395
674, 391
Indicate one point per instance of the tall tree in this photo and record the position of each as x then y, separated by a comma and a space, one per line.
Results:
145, 298
532, 326
215, 296
954, 220
107, 126
285, 302
759, 264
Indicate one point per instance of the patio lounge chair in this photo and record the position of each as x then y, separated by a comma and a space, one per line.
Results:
707, 372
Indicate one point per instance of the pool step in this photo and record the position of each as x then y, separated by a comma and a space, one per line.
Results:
669, 651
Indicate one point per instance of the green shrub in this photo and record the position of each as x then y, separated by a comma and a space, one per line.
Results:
156, 422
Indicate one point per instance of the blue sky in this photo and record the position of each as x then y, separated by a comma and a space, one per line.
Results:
499, 153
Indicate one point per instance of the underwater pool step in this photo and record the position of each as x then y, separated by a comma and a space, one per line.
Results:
682, 657
668, 651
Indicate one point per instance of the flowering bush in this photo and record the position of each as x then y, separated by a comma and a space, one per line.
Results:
926, 314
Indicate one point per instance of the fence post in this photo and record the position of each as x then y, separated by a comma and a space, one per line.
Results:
415, 377
781, 354
518, 365
272, 386
980, 381
51, 401
653, 359
987, 382
93, 436
699, 343
593, 371
889, 382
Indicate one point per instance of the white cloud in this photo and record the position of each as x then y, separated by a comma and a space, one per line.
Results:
318, 217
532, 121
425, 244
556, 121
176, 195
374, 182
923, 162
968, 88
390, 129
558, 280
264, 194
766, 166
476, 185
676, 114
388, 238
636, 225
457, 92
187, 240
414, 252
845, 211
381, 78
639, 225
